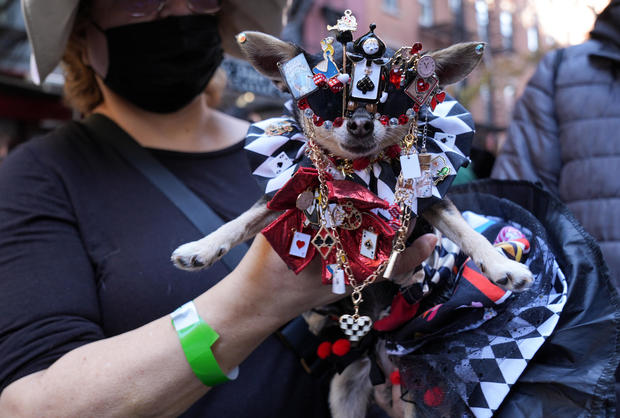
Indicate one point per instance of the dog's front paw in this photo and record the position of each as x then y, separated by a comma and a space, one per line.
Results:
199, 254
506, 273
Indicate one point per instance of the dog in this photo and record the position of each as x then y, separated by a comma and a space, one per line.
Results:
363, 135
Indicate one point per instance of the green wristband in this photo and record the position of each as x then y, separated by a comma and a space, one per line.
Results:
196, 338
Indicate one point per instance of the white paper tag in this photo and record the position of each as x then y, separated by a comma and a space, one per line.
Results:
299, 245
424, 185
368, 245
410, 166
338, 286
279, 163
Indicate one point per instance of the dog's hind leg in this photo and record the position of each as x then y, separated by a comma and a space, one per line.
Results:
350, 390
499, 269
200, 254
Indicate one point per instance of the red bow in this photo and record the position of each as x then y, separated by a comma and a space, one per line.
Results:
281, 231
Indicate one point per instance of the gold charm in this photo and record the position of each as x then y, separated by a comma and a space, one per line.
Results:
304, 200
390, 266
352, 219
278, 129
323, 241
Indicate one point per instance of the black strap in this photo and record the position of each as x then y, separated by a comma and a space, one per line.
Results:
198, 212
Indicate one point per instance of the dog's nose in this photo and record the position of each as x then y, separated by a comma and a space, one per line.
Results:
360, 126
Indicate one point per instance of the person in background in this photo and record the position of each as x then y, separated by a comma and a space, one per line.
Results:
565, 133
86, 282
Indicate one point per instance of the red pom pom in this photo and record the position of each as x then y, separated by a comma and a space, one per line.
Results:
338, 122
384, 120
417, 47
303, 104
395, 377
341, 347
361, 163
434, 396
324, 349
392, 151
402, 119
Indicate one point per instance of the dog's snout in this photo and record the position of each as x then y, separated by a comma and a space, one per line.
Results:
360, 127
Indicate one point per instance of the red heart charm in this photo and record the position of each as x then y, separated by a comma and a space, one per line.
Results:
433, 103
422, 86
441, 96
300, 244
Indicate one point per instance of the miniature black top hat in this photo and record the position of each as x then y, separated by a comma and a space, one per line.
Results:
370, 45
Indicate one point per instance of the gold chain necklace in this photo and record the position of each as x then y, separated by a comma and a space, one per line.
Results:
356, 326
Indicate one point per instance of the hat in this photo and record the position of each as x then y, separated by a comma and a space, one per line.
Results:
49, 24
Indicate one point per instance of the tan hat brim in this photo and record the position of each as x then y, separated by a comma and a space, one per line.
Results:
48, 24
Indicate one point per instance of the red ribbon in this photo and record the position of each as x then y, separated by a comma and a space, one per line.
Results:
281, 231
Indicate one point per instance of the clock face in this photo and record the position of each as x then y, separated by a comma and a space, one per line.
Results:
426, 66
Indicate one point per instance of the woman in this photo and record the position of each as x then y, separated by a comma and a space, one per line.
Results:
86, 284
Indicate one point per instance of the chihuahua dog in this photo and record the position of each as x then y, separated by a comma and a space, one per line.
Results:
361, 135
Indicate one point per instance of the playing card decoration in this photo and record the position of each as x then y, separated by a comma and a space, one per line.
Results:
298, 77
323, 241
368, 67
368, 245
299, 244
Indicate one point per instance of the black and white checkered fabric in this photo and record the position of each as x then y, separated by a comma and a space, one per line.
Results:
274, 158
475, 361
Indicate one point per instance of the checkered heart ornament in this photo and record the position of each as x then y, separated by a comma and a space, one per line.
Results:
355, 326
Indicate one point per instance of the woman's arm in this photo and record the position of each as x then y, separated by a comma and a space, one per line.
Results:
144, 372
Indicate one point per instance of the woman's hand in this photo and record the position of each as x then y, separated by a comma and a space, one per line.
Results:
269, 279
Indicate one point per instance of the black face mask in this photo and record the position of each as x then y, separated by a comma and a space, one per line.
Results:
162, 65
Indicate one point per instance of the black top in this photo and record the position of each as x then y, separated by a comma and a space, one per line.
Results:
85, 244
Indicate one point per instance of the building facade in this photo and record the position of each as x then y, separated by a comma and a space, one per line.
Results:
517, 33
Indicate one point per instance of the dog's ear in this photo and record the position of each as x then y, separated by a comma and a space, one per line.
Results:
265, 51
455, 62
